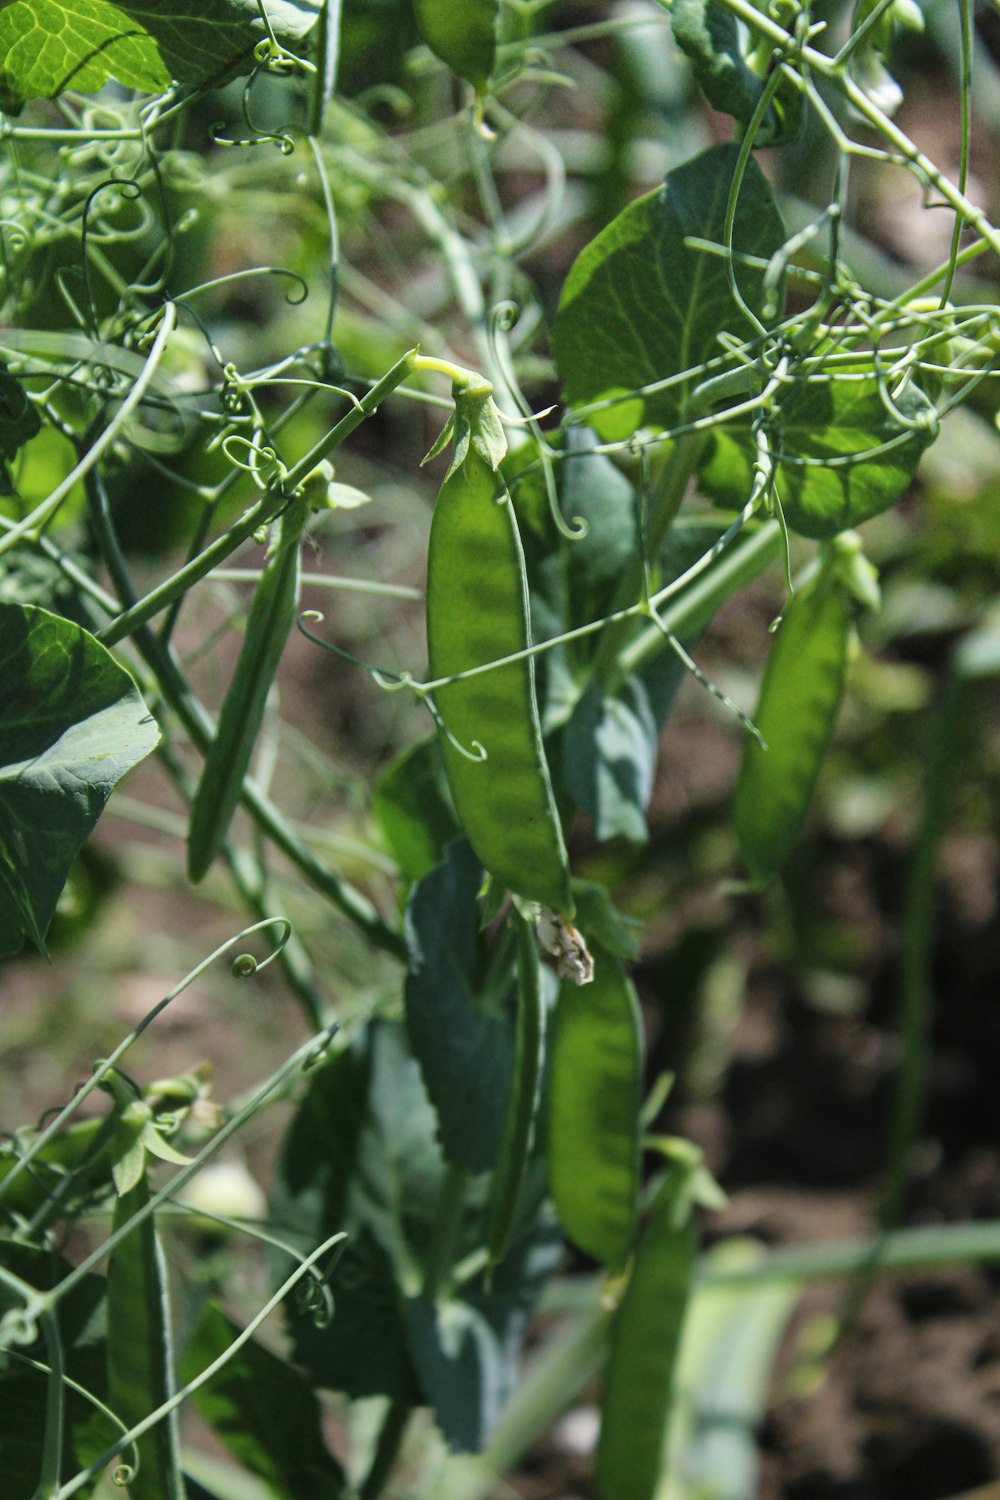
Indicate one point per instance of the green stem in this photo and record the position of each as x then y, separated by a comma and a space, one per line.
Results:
667, 502
915, 996
903, 1250
387, 1448
441, 1255
696, 603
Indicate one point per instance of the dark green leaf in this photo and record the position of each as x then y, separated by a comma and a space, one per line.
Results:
361, 1155
465, 1051
19, 420
639, 305
609, 758
595, 1094
141, 43
710, 35
263, 1411
413, 808
462, 33
23, 1390
826, 480
461, 1367
71, 724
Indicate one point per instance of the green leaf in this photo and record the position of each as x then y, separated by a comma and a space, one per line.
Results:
72, 724
48, 46
465, 1051
460, 1363
595, 1095
710, 35
639, 305
263, 1411
831, 476
598, 920
412, 806
609, 759
361, 1155
19, 421
462, 33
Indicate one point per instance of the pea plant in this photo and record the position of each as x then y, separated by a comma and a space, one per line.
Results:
237, 240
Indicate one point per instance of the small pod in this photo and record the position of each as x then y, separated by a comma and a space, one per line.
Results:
595, 1098
645, 1338
139, 1358
271, 618
799, 697
477, 612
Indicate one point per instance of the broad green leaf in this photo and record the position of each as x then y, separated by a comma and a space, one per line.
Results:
639, 305
462, 33
460, 1363
263, 1411
362, 1155
831, 475
412, 807
609, 759
71, 724
725, 1371
711, 36
464, 1050
645, 1338
139, 1354
595, 1095
49, 46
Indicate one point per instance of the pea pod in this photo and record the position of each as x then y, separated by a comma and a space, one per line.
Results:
477, 612
140, 1375
801, 691
595, 1096
272, 615
645, 1338
522, 1105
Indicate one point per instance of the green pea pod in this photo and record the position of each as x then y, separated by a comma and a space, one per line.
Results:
462, 33
595, 1097
522, 1105
272, 616
645, 1338
140, 1374
801, 691
477, 612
